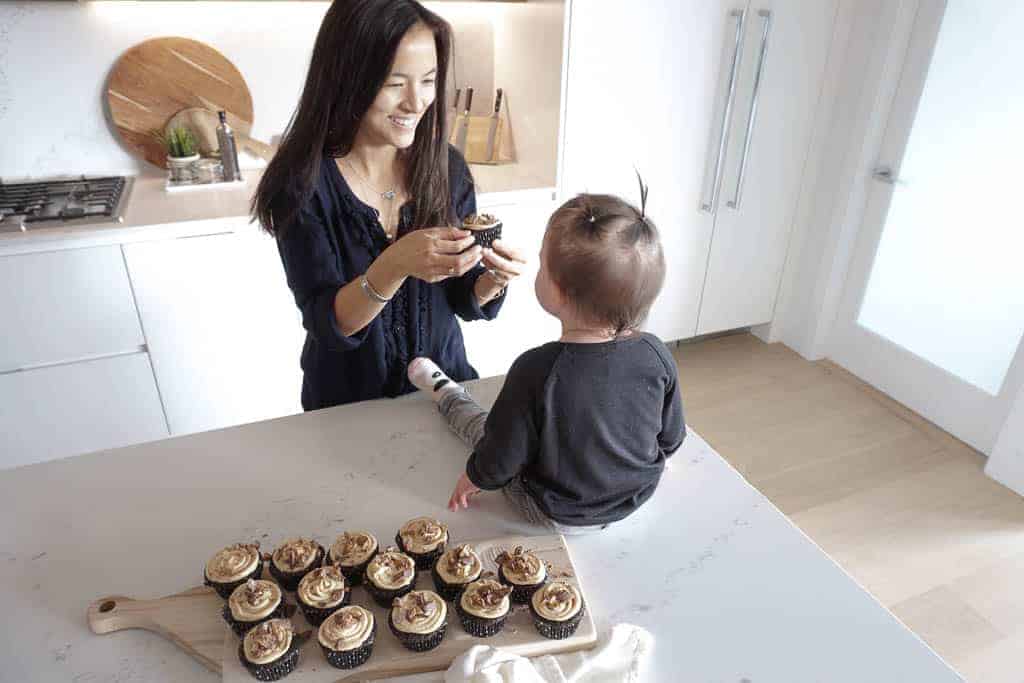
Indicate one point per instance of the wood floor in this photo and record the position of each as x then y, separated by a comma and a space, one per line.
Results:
905, 508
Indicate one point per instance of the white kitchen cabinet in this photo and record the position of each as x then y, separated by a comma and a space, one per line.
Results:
75, 408
223, 331
522, 324
65, 305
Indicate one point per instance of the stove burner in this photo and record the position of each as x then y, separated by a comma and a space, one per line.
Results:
57, 202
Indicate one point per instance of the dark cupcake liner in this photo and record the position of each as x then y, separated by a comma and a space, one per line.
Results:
350, 659
290, 580
521, 594
356, 573
418, 642
448, 591
479, 626
275, 670
486, 238
557, 630
384, 597
423, 560
242, 627
317, 615
224, 590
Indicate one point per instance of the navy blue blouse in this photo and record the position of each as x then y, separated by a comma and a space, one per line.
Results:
333, 241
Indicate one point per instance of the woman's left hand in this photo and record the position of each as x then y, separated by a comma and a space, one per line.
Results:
504, 263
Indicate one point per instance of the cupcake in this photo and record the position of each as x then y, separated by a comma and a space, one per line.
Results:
321, 592
483, 607
347, 636
485, 228
352, 551
522, 570
390, 574
270, 651
423, 539
419, 620
253, 603
293, 558
557, 610
456, 568
233, 566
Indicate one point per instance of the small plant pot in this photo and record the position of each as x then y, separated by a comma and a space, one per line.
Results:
182, 168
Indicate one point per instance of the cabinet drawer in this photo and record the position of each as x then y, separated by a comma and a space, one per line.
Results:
65, 305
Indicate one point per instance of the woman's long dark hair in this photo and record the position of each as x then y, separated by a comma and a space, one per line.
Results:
351, 59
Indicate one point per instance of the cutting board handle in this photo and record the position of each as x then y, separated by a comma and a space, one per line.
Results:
116, 613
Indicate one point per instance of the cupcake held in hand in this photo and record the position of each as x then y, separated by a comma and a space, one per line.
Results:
270, 651
390, 575
456, 568
253, 603
233, 566
346, 637
419, 620
293, 558
483, 607
523, 571
557, 610
485, 228
321, 592
352, 552
423, 539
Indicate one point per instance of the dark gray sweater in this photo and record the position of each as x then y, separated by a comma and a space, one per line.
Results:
587, 426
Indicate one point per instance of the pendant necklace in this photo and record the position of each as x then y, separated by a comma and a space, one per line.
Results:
386, 195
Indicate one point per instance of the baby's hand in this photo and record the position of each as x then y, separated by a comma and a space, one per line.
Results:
464, 488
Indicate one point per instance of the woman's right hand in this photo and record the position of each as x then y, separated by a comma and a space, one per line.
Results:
433, 254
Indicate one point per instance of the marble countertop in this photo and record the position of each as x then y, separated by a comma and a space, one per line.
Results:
731, 590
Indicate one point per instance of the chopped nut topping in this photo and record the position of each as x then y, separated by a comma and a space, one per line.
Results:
488, 594
416, 607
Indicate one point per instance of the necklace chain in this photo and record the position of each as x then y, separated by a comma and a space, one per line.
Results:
387, 195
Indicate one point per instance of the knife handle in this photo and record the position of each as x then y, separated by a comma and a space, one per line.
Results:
458, 96
497, 102
469, 100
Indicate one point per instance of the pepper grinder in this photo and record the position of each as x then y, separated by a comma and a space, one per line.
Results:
228, 149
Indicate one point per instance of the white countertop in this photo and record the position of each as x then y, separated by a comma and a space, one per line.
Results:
730, 588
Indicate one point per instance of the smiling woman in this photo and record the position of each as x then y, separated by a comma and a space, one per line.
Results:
361, 196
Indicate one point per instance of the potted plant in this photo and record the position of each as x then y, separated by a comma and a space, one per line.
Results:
182, 152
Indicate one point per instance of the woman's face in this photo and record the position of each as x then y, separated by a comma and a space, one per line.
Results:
406, 94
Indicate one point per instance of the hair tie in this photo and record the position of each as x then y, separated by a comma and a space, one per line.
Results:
592, 218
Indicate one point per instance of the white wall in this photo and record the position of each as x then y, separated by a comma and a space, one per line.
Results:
1006, 463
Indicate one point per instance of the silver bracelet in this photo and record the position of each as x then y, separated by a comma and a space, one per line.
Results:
371, 292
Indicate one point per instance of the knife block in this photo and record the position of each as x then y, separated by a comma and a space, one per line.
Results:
476, 139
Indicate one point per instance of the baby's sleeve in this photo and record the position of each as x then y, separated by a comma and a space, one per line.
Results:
673, 424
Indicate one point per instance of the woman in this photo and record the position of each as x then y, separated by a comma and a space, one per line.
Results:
358, 197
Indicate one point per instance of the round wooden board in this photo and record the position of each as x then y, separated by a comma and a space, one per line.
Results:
154, 80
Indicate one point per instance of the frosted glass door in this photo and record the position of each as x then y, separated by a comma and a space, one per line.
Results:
935, 303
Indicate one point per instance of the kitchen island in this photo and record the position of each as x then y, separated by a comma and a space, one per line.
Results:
731, 590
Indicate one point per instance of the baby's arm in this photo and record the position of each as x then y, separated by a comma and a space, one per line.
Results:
673, 424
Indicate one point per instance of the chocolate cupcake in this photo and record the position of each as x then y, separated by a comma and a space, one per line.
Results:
253, 603
483, 607
419, 620
423, 539
390, 574
270, 651
485, 228
347, 636
352, 551
456, 568
522, 570
322, 592
293, 559
233, 566
557, 610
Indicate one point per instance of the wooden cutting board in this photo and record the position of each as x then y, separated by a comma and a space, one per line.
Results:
192, 621
154, 80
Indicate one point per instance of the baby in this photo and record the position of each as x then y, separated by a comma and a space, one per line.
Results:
578, 437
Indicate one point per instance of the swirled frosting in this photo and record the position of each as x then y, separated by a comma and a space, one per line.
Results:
323, 587
557, 601
419, 612
353, 548
233, 562
486, 598
295, 554
460, 564
522, 567
254, 600
391, 569
268, 641
423, 534
479, 222
346, 629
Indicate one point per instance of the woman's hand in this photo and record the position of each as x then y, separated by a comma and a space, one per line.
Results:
504, 263
464, 488
433, 254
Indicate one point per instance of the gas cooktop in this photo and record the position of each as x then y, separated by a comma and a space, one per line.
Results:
61, 202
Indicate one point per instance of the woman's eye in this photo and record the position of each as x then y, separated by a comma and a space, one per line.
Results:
428, 81
395, 85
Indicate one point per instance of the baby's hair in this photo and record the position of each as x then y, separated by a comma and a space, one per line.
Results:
605, 256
